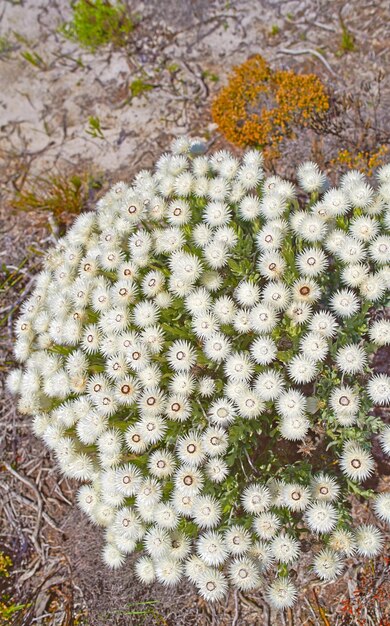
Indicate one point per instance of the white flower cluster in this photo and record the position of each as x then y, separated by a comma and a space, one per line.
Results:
183, 344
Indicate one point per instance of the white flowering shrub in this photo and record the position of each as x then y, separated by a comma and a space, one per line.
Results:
197, 353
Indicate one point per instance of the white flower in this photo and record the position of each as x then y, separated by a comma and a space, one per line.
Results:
178, 408
351, 359
207, 511
222, 411
190, 450
323, 323
145, 571
216, 254
321, 517
344, 303
271, 265
348, 249
306, 290
238, 367
327, 565
379, 333
276, 295
314, 346
342, 541
211, 548
324, 488
224, 308
380, 249
181, 356
212, 585
311, 228
266, 525
168, 571
249, 404
161, 463
301, 369
202, 235
285, 549
165, 516
262, 318
360, 195
372, 287
249, 176
206, 386
216, 469
217, 347
295, 497
128, 479
269, 385
310, 177
215, 441
249, 208
216, 214
345, 403
355, 462
369, 540
256, 498
311, 262
282, 593
294, 428
188, 481
244, 574
152, 428
378, 389
382, 507
291, 403
112, 556
385, 439
336, 201
354, 274
364, 228
247, 293
237, 540
263, 350
269, 238
156, 542
198, 301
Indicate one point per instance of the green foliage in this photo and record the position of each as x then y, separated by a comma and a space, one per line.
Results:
94, 128
8, 608
347, 43
35, 59
139, 86
97, 23
5, 46
62, 195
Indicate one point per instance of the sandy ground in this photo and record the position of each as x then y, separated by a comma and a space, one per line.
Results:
180, 48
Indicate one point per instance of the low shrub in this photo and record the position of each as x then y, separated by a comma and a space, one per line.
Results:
261, 106
197, 353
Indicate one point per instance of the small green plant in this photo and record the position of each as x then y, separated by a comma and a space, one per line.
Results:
5, 46
35, 59
60, 194
94, 128
145, 609
208, 75
139, 86
347, 43
8, 608
98, 23
275, 30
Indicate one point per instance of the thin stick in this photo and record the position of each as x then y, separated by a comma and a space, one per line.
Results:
315, 53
